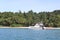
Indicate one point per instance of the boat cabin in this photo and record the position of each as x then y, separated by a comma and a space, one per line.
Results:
40, 24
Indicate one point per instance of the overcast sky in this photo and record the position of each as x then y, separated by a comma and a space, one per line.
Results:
26, 5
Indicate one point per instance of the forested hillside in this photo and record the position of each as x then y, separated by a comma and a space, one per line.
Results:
19, 19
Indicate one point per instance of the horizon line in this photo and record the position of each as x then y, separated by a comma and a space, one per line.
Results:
29, 10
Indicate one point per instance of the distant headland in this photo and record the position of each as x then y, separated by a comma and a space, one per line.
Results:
30, 18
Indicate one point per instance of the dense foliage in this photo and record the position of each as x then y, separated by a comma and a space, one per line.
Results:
18, 19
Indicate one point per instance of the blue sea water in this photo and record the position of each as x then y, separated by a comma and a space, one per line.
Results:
28, 34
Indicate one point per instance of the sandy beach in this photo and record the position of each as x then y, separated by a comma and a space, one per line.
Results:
47, 28
52, 28
14, 27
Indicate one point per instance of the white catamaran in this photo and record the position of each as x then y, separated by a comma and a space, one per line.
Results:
39, 25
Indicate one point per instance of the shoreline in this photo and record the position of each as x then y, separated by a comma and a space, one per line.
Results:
14, 27
46, 28
52, 28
